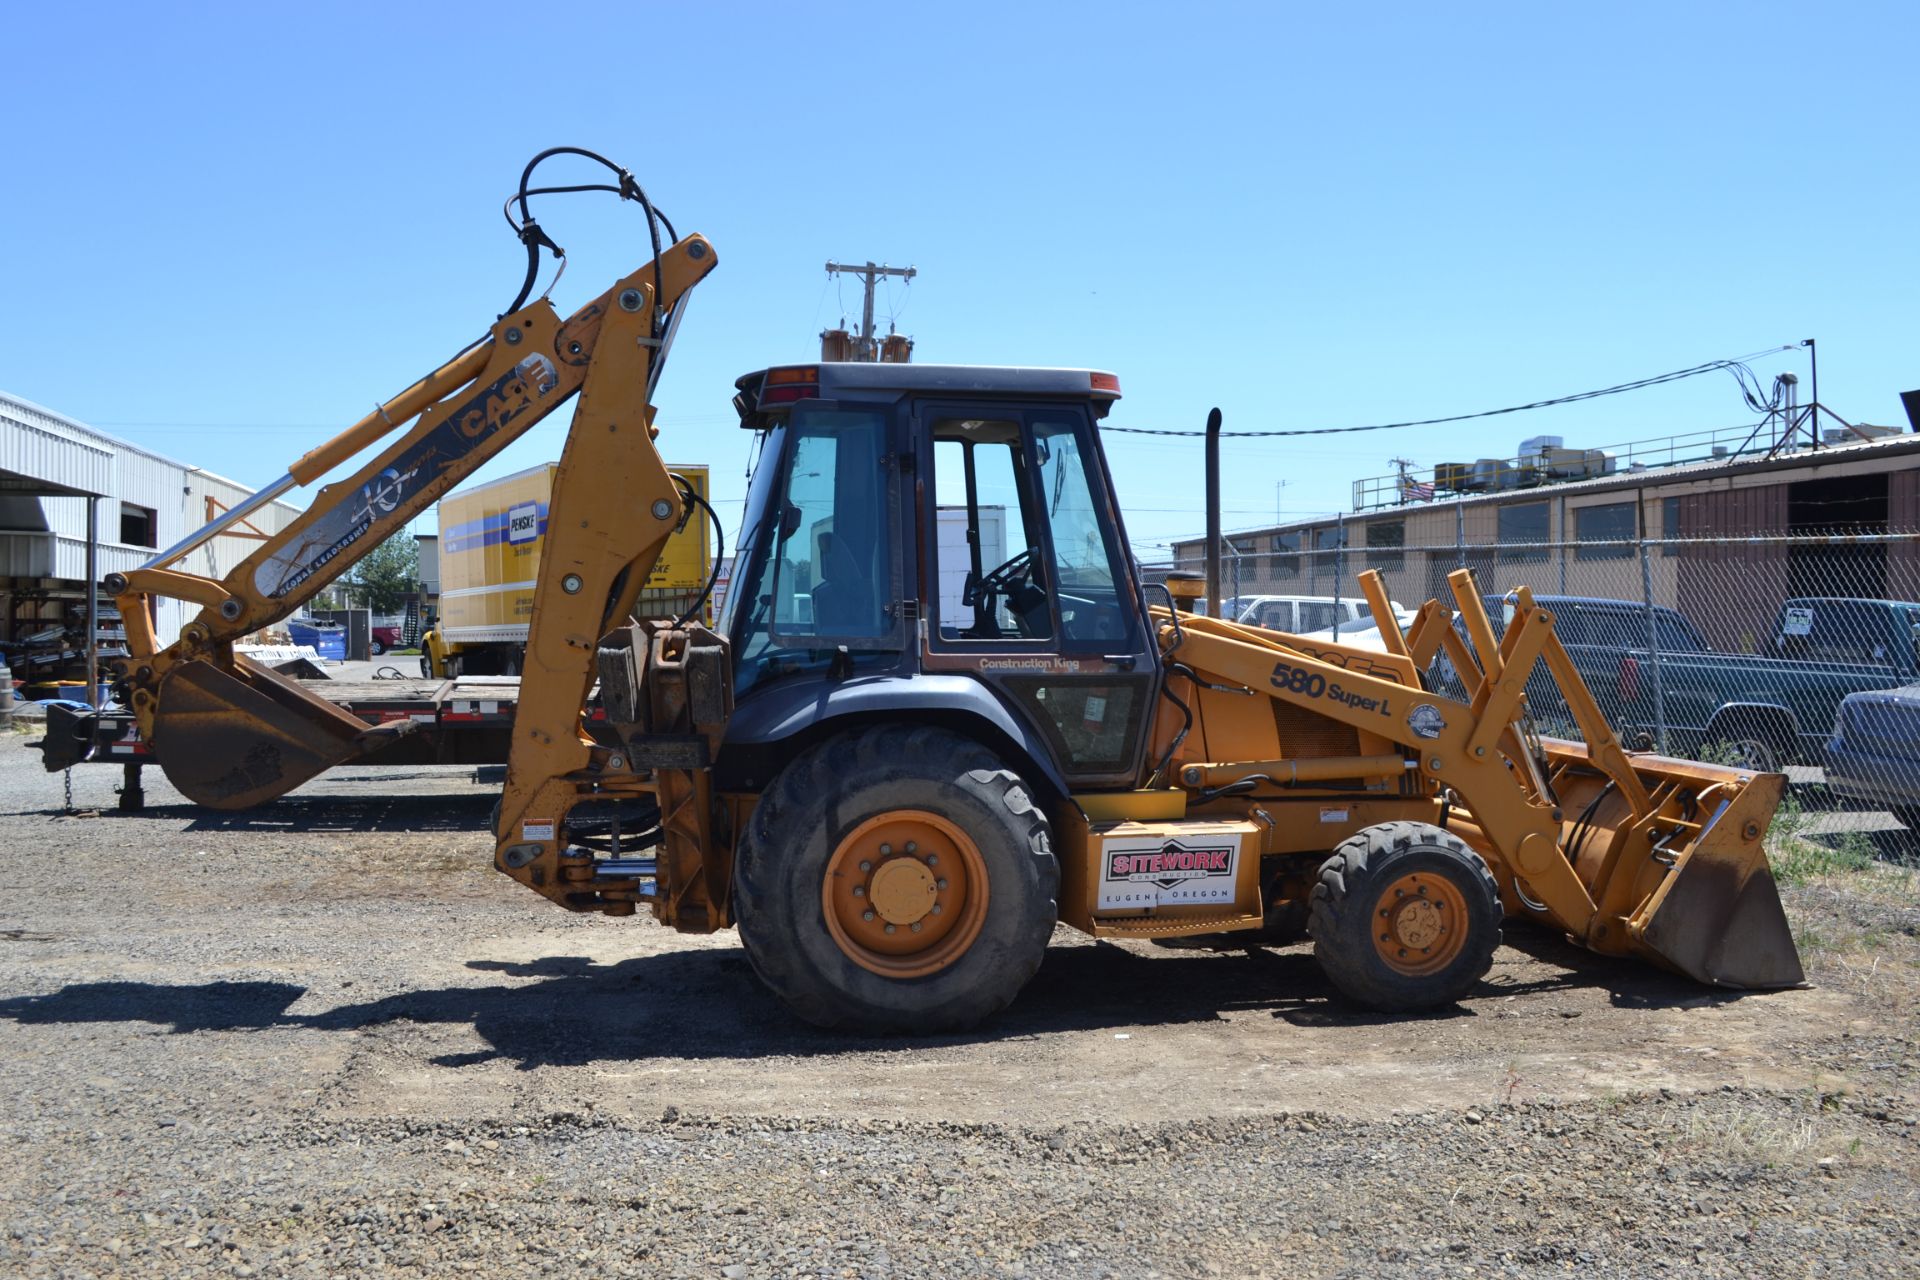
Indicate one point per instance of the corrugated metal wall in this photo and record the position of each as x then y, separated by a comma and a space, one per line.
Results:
37, 442
1903, 516
223, 554
1734, 620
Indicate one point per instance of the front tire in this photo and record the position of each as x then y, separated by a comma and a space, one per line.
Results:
896, 879
376, 648
1405, 917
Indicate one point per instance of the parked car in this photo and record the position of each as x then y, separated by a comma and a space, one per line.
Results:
1758, 711
1874, 755
1304, 615
384, 638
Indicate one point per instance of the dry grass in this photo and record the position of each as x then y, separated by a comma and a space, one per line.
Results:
1753, 1135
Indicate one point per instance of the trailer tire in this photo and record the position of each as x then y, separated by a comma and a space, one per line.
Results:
1405, 917
853, 926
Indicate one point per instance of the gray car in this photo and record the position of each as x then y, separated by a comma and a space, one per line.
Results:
1874, 755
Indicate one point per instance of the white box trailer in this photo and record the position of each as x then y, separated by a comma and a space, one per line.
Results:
954, 560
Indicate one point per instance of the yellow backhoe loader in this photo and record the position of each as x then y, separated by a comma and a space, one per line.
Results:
895, 764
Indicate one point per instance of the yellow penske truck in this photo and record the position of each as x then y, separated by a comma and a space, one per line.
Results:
491, 536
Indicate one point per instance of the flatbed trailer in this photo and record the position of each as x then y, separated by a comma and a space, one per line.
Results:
467, 720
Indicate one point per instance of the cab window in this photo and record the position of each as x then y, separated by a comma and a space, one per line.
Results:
823, 565
1087, 565
989, 551
1020, 547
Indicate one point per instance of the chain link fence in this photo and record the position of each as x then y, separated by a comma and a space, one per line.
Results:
1799, 653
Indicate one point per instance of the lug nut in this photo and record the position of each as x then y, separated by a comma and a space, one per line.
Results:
885, 849
936, 908
890, 929
915, 926
859, 891
866, 866
940, 883
867, 915
933, 859
911, 846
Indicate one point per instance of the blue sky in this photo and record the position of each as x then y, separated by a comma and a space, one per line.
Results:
230, 229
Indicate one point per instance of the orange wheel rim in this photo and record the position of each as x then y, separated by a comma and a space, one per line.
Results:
1420, 923
905, 893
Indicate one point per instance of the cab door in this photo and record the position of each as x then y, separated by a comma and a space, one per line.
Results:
1028, 584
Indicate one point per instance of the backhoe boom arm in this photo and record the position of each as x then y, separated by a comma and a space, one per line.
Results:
233, 734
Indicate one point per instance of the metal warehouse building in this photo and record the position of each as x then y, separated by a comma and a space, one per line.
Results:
64, 485
1723, 538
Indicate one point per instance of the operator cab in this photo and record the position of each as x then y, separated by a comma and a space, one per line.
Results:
946, 525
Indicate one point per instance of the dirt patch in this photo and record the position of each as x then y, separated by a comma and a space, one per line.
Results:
334, 1004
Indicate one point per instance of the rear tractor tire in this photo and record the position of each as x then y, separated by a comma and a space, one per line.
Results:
1405, 917
896, 879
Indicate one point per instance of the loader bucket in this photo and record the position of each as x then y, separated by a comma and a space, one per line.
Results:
1699, 899
1717, 918
235, 739
1670, 854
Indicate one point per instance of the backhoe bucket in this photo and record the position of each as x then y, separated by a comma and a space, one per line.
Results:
1699, 898
235, 739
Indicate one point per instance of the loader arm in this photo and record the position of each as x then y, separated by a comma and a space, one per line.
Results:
231, 734
1630, 854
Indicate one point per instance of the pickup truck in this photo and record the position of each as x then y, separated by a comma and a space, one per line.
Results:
1757, 711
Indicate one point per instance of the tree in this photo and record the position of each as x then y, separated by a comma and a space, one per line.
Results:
387, 573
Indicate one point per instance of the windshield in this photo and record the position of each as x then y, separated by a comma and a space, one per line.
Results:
819, 567
748, 561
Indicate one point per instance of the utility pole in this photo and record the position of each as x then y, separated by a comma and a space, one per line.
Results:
870, 275
1405, 482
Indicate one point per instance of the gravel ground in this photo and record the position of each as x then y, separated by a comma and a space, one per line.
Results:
324, 1040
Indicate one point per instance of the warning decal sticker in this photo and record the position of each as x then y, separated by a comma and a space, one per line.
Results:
1155, 871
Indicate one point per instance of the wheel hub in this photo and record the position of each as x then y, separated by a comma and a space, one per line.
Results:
905, 893
902, 891
1420, 923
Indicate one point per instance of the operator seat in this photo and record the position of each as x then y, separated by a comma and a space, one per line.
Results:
843, 602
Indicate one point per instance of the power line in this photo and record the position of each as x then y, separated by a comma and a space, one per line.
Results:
1749, 387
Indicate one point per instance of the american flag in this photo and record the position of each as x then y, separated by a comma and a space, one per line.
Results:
1412, 490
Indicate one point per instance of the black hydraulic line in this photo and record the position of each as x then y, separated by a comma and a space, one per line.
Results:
534, 238
1581, 828
1166, 691
720, 555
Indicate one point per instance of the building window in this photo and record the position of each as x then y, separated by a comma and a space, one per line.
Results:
138, 526
1386, 533
1670, 524
1285, 560
1616, 523
1327, 540
1525, 528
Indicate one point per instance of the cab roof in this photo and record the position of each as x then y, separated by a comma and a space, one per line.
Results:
955, 379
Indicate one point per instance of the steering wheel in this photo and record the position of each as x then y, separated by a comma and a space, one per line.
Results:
1017, 582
